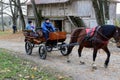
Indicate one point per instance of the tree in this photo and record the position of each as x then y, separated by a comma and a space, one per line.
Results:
21, 14
101, 8
37, 14
16, 10
106, 7
17, 6
2, 16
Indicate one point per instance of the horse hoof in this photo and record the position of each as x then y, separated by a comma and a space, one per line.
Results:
68, 61
82, 62
105, 65
94, 67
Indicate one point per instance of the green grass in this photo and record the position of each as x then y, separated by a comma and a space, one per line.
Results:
4, 33
15, 68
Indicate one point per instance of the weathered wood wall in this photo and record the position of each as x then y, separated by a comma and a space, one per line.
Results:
81, 8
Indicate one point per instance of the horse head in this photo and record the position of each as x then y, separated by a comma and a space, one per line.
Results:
117, 36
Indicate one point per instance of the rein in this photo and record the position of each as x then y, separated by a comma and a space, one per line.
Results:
102, 35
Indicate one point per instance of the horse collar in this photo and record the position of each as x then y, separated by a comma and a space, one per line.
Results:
101, 33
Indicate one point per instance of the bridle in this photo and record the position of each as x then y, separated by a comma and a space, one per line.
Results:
117, 32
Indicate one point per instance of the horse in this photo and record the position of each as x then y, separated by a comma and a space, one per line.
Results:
99, 40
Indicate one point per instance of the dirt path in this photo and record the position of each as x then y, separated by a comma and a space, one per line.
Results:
79, 72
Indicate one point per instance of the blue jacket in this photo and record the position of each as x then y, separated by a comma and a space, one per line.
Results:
46, 26
29, 27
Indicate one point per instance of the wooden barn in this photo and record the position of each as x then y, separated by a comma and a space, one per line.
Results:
66, 14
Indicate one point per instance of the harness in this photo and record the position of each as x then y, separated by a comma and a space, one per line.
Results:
90, 32
98, 39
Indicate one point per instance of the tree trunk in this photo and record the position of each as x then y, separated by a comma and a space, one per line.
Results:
37, 14
106, 7
2, 17
101, 10
21, 14
97, 11
14, 13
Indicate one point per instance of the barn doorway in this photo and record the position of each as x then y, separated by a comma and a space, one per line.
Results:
58, 24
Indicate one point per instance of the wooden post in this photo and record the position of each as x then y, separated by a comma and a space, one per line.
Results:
50, 10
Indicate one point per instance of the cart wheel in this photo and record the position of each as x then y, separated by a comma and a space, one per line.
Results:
42, 52
33, 45
49, 48
28, 48
63, 49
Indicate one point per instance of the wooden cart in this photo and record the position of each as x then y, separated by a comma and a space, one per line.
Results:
55, 40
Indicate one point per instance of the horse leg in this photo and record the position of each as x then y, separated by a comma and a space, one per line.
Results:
94, 57
68, 52
79, 53
108, 56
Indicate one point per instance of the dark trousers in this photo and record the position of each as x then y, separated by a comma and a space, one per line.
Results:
46, 34
14, 30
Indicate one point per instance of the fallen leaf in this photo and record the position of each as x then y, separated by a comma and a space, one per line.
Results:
27, 77
32, 76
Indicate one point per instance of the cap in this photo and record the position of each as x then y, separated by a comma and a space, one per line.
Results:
29, 22
47, 19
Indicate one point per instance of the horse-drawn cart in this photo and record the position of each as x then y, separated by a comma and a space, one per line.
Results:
56, 40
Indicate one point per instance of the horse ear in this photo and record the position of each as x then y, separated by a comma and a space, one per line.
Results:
117, 29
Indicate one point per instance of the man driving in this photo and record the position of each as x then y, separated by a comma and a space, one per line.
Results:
47, 27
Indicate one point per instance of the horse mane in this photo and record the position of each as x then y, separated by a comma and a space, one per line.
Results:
108, 30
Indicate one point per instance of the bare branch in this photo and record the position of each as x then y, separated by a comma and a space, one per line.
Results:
12, 1
6, 7
11, 7
6, 14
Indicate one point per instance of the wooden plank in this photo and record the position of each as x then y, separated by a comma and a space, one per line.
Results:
57, 35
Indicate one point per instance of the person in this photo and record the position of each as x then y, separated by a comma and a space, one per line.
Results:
29, 26
47, 27
14, 28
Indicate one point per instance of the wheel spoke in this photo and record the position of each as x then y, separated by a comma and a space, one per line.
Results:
63, 49
28, 48
42, 52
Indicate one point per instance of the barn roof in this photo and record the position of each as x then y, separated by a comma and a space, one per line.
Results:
117, 1
58, 1
47, 1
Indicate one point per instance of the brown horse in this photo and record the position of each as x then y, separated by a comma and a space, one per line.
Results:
98, 41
